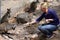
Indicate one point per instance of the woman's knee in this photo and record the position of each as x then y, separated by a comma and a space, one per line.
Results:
41, 28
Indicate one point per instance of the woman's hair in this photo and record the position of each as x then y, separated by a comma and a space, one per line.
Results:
44, 5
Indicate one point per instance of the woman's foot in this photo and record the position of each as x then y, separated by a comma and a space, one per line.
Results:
51, 36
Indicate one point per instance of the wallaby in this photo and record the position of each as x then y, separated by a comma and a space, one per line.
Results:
5, 26
32, 7
4, 18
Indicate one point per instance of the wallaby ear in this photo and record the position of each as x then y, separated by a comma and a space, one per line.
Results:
44, 0
8, 9
37, 1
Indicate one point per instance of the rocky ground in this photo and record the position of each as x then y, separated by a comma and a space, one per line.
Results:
20, 33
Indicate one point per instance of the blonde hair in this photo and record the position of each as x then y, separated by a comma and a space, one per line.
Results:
44, 4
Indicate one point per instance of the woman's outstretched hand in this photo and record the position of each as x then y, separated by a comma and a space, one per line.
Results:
30, 23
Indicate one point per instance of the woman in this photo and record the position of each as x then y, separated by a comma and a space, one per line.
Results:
51, 20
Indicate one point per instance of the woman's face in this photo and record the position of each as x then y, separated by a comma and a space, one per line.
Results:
43, 9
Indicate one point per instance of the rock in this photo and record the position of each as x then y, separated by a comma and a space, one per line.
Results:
34, 37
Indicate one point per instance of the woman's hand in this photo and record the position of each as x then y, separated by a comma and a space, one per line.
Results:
31, 23
49, 20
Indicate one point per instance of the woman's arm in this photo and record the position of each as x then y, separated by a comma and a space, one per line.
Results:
40, 18
37, 20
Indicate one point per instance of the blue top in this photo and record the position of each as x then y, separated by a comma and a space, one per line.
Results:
51, 14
